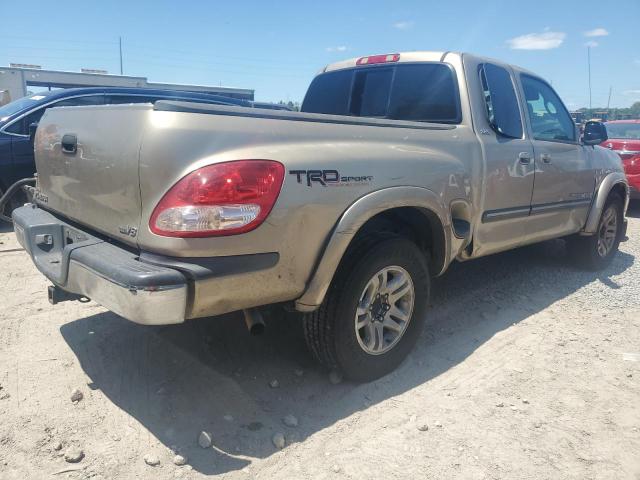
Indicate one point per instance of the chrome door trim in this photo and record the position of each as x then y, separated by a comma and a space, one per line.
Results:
505, 214
517, 212
552, 207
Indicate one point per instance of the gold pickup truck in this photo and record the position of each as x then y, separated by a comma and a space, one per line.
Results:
396, 166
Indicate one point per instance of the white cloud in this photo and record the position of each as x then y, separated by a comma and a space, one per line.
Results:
537, 41
340, 48
637, 61
591, 43
632, 93
403, 25
596, 32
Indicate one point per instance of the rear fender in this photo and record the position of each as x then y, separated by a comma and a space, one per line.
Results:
352, 219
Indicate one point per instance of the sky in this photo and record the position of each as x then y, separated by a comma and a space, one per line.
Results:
277, 47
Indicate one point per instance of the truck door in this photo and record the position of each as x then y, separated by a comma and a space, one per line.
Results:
509, 165
564, 178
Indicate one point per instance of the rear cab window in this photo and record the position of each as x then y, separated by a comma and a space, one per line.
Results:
420, 92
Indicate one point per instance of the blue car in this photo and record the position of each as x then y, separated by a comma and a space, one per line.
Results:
16, 119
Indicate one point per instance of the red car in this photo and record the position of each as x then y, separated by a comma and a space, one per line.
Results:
624, 139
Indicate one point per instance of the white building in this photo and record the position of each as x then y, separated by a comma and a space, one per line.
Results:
14, 83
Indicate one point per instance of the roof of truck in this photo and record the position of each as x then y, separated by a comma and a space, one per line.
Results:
420, 56
416, 56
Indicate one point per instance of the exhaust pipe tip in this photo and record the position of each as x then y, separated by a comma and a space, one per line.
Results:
255, 322
257, 329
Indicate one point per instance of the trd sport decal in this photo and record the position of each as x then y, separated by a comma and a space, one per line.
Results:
329, 178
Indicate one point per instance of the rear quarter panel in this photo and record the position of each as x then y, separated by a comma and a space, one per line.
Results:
299, 225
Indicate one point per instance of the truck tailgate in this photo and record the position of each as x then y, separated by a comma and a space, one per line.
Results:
87, 163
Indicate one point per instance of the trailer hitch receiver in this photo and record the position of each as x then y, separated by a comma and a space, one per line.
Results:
58, 295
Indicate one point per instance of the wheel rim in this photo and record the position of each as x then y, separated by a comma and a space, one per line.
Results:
607, 231
384, 310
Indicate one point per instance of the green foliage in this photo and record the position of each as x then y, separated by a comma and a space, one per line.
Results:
295, 106
614, 113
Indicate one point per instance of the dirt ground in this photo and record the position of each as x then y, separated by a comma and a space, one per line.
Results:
529, 369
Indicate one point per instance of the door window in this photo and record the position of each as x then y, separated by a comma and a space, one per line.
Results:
501, 102
21, 127
549, 118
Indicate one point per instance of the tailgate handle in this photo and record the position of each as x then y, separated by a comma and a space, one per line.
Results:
69, 143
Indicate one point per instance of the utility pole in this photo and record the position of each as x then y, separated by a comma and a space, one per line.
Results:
609, 101
589, 65
120, 38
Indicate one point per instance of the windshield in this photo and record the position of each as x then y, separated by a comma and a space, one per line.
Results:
16, 106
626, 131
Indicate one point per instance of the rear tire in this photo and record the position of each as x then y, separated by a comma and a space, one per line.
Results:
596, 252
374, 310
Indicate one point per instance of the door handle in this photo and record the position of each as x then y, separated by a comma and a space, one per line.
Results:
545, 157
525, 158
69, 143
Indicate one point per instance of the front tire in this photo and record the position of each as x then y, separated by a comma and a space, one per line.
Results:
596, 252
374, 310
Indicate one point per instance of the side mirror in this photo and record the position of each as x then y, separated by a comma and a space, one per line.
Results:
594, 133
32, 131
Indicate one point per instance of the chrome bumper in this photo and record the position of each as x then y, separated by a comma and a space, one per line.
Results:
114, 277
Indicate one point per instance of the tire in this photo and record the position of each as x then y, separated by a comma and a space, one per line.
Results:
596, 252
363, 355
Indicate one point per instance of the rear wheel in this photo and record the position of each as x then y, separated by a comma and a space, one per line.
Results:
374, 311
596, 252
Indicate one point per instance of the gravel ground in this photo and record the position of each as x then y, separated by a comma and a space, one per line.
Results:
529, 369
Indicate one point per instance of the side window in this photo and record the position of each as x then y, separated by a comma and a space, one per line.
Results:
80, 101
549, 118
124, 99
21, 127
500, 100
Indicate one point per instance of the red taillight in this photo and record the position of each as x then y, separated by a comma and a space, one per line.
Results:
222, 199
391, 57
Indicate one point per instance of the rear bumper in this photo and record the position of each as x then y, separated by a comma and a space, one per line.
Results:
86, 265
144, 287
